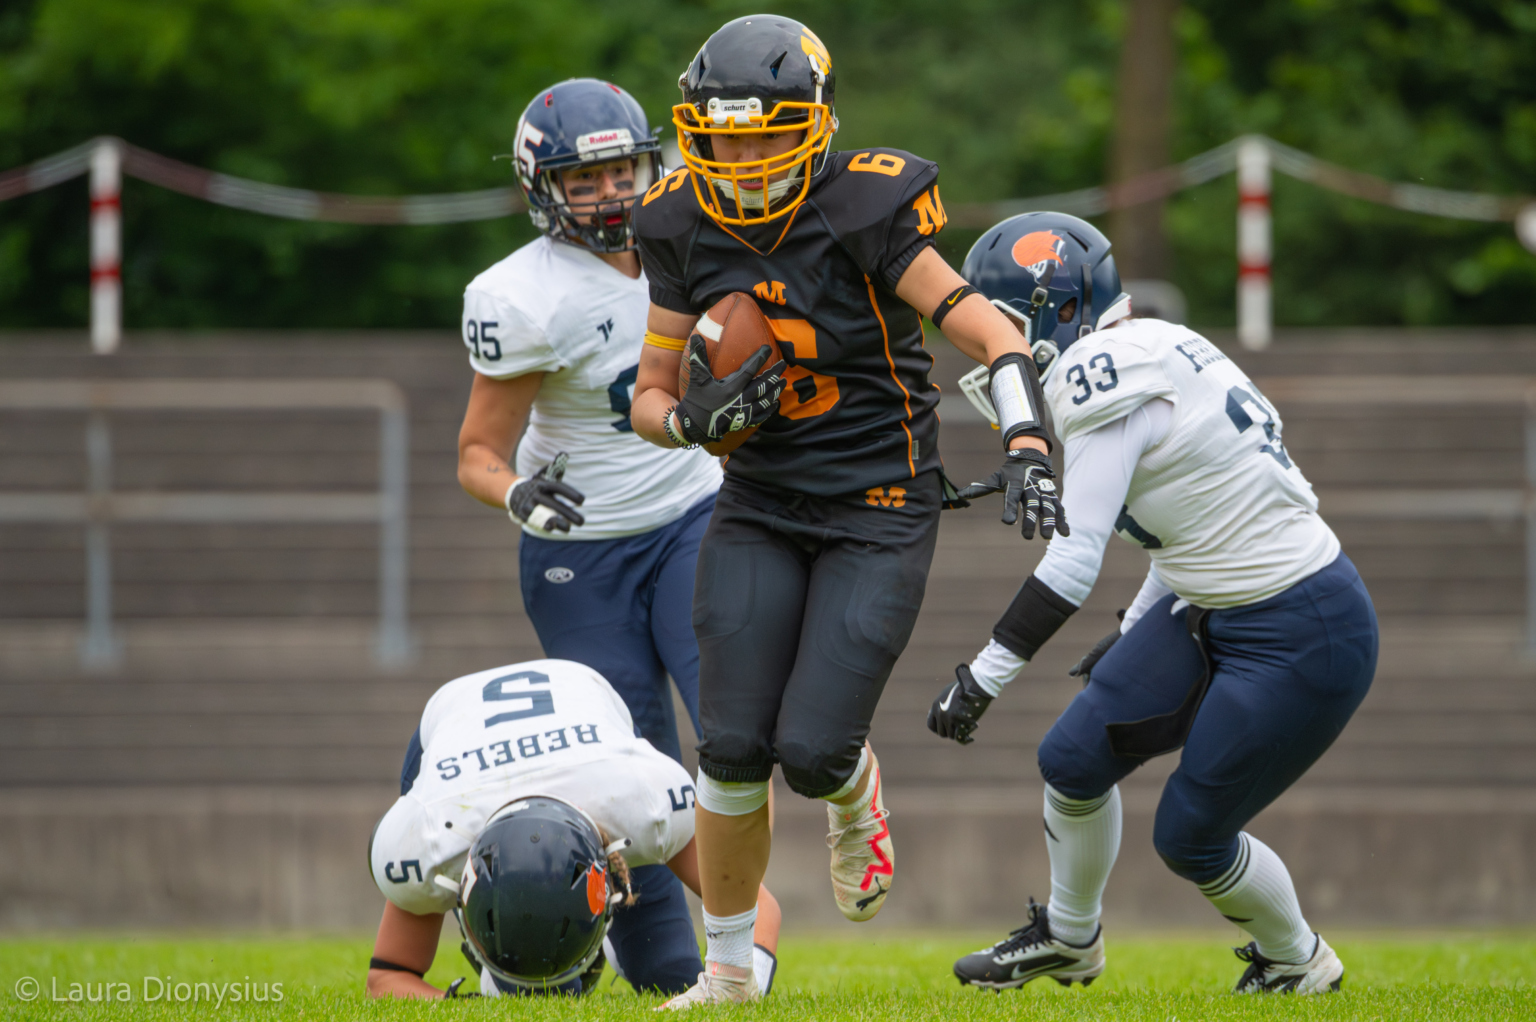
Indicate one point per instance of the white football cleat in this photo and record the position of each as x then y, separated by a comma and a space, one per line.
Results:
863, 860
1320, 974
718, 984
1030, 952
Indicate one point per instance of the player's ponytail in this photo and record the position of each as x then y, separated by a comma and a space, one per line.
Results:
618, 870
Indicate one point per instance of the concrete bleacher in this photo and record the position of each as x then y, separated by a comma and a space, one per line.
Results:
234, 765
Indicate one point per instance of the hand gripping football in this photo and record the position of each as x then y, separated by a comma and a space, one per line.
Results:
733, 329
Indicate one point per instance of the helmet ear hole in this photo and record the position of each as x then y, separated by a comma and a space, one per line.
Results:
1067, 311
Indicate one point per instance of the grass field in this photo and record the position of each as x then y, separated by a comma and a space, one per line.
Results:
1470, 976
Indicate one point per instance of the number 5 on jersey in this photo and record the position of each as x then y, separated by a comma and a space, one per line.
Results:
806, 393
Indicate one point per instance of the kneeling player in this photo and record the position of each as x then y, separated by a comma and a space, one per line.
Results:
524, 800
1250, 644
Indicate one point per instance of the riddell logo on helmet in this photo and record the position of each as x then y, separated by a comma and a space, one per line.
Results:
1036, 249
618, 139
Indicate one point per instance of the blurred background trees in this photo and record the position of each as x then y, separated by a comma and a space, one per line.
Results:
1012, 98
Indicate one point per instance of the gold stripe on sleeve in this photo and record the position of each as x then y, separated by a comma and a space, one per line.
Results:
664, 343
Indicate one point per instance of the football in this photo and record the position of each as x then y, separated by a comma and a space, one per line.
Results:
733, 329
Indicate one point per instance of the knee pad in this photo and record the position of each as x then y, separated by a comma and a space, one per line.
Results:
814, 773
730, 798
1067, 770
1189, 843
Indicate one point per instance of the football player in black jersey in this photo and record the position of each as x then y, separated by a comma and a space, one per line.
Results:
813, 567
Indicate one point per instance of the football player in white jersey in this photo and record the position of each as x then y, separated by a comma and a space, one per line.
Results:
1249, 646
526, 797
554, 333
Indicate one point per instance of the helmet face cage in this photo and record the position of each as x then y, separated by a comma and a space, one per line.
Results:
583, 122
757, 75
474, 940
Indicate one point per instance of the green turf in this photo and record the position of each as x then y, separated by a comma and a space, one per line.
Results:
1471, 976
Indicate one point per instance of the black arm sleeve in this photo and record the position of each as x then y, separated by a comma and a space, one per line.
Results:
1033, 617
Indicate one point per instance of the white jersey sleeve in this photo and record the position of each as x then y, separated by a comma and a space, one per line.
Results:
502, 341
1100, 466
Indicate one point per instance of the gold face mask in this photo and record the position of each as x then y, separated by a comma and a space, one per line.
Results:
780, 179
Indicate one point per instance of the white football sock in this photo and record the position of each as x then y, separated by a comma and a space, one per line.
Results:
1083, 838
1257, 894
728, 939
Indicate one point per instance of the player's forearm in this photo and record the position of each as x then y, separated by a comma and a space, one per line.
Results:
647, 414
388, 983
485, 475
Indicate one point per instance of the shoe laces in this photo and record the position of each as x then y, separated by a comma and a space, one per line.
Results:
860, 828
1036, 931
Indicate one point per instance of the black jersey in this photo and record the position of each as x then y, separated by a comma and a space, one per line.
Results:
858, 411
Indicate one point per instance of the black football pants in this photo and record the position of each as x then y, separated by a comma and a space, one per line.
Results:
801, 607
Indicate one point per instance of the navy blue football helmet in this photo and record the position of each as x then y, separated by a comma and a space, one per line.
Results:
1052, 273
536, 896
581, 121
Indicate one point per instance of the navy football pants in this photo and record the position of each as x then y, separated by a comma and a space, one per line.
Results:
1289, 672
626, 611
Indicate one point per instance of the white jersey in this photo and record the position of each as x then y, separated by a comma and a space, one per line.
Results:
557, 309
546, 727
1208, 488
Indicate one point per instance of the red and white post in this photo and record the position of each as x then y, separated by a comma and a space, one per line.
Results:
106, 247
1255, 317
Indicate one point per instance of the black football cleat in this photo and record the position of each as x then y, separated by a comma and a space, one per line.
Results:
1029, 953
1320, 974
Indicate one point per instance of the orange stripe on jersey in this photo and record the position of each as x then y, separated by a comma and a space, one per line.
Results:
782, 234
875, 304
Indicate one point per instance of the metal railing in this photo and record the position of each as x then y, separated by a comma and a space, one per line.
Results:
1486, 504
99, 506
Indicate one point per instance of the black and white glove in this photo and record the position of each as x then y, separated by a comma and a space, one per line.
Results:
712, 408
540, 499
454, 991
1026, 478
1084, 667
958, 709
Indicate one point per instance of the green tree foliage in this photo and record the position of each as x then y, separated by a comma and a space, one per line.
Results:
1013, 98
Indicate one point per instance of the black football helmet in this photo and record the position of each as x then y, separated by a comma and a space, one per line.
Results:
762, 74
1051, 272
577, 122
535, 899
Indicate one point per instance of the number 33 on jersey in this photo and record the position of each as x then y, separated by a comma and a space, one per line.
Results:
1221, 478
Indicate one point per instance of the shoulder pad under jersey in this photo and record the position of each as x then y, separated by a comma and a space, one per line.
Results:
1104, 377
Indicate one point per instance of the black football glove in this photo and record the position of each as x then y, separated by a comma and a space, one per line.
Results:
958, 709
455, 993
1084, 667
1026, 478
712, 408
539, 500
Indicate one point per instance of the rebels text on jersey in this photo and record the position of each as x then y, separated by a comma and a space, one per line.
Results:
545, 727
858, 410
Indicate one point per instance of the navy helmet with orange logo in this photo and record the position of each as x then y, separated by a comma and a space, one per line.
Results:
535, 899
1053, 274
583, 121
763, 74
